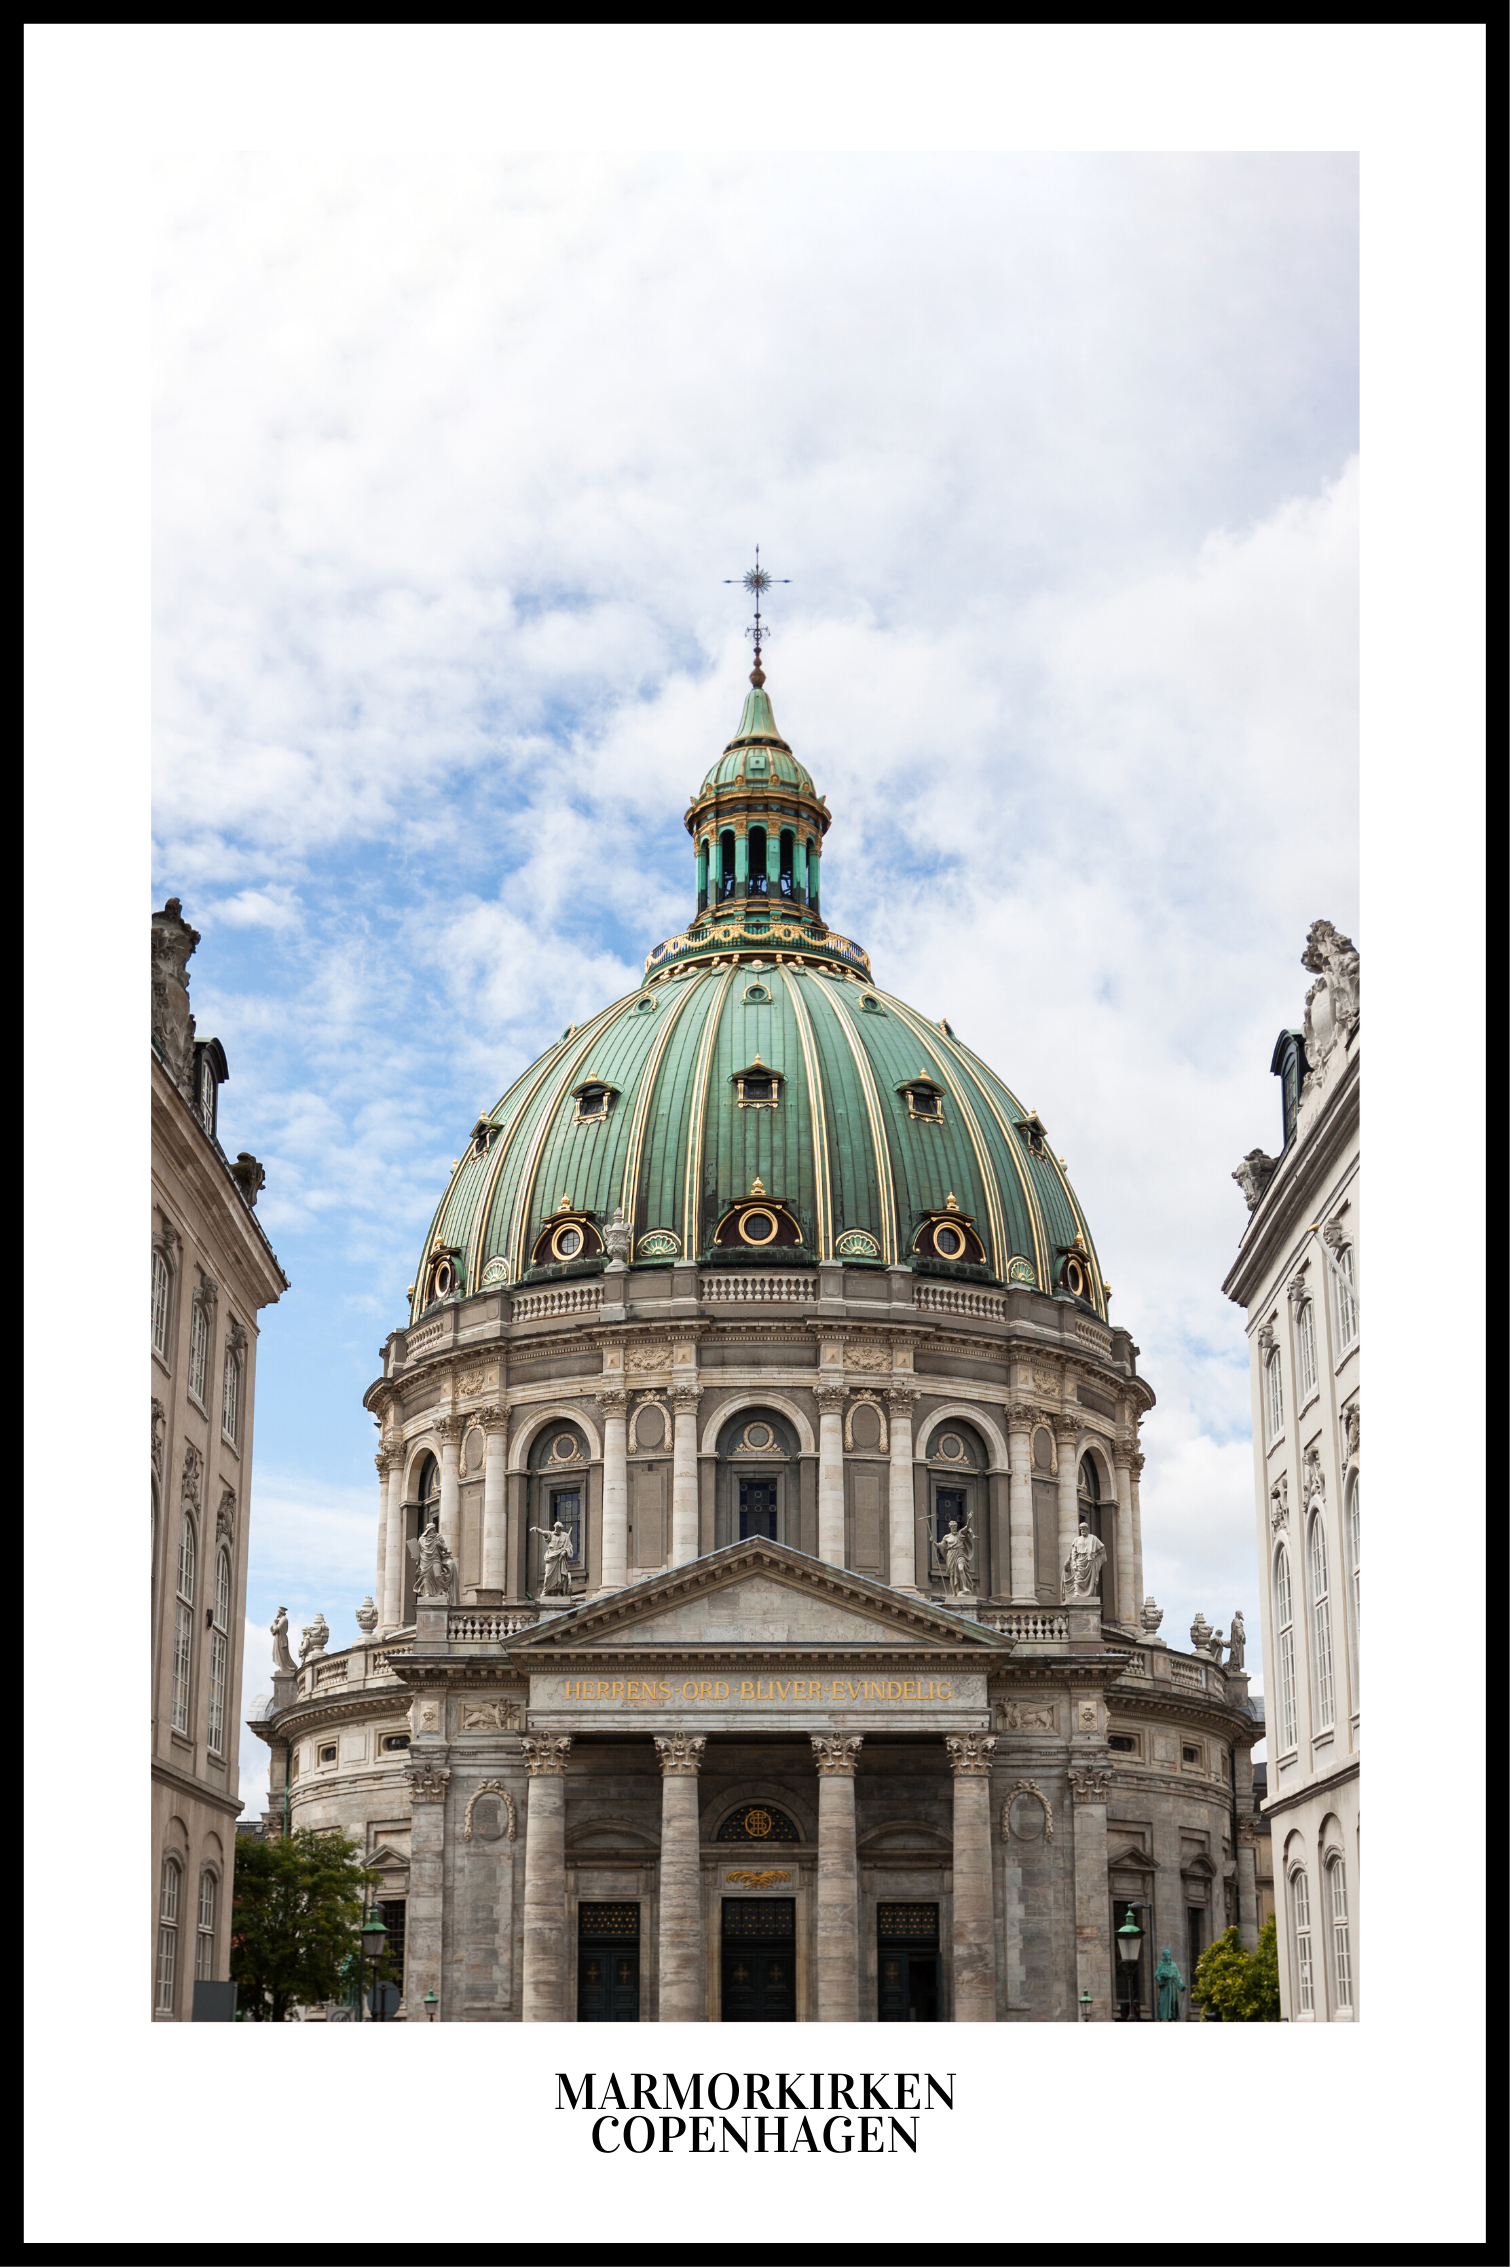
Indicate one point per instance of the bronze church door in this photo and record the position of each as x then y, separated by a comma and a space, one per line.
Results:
758, 1971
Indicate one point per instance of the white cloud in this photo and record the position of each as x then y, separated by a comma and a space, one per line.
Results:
452, 458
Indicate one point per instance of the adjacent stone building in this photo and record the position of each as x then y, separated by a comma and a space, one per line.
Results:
1297, 1277
758, 1629
213, 1270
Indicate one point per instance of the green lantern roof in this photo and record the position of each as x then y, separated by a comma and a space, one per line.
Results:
757, 755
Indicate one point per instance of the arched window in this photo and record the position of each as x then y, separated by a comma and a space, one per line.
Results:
162, 1285
1343, 1965
1306, 1352
1353, 1549
183, 1626
1285, 1649
204, 1942
199, 1350
1322, 1623
220, 1648
727, 863
1345, 1297
1274, 1397
812, 869
167, 1935
702, 873
756, 883
230, 1395
784, 865
1301, 1923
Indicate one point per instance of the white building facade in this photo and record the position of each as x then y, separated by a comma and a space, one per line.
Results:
1297, 1276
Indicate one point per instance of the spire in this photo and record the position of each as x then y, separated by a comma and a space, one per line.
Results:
756, 719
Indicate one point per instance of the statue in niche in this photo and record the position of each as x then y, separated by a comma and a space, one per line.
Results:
435, 1575
556, 1574
283, 1659
1236, 1641
1169, 1986
956, 1553
1082, 1574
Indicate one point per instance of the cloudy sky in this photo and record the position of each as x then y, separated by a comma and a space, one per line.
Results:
451, 460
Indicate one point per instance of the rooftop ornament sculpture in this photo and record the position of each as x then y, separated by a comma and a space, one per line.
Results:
756, 581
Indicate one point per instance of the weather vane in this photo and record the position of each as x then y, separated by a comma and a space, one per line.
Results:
756, 580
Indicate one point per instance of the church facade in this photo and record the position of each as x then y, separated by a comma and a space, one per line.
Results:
759, 1630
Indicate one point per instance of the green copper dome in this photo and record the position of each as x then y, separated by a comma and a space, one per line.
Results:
758, 1101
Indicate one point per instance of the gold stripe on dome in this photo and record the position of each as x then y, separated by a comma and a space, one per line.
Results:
1030, 1195
823, 1196
1001, 1242
694, 1181
670, 1017
519, 1226
500, 1157
869, 1088
1079, 1217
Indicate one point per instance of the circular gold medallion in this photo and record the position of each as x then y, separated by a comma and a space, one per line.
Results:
757, 1823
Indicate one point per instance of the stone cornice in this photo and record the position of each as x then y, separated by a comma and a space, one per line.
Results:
183, 1142
308, 1715
761, 1657
1326, 1784
1311, 1157
187, 1784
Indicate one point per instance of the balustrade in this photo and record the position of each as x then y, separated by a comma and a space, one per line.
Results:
763, 1289
956, 1299
557, 1299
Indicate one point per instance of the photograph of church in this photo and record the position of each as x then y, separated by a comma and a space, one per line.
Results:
759, 1628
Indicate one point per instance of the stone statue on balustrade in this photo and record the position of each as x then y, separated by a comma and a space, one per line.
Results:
283, 1659
435, 1575
316, 1636
1082, 1574
1169, 1986
955, 1552
556, 1574
616, 1238
1236, 1641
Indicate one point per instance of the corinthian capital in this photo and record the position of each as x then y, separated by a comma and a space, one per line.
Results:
681, 1755
838, 1757
686, 1392
1089, 1785
547, 1758
1066, 1429
614, 1403
1022, 1417
829, 1397
900, 1399
970, 1753
448, 1431
427, 1784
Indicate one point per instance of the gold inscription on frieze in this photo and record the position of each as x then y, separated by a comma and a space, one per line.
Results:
747, 1880
654, 1692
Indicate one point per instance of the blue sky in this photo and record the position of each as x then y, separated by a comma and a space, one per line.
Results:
451, 458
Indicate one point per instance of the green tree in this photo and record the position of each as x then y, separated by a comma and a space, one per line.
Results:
296, 1912
1237, 1986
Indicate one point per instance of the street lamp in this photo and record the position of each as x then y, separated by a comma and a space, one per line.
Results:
374, 1942
1085, 2007
1128, 1940
431, 2003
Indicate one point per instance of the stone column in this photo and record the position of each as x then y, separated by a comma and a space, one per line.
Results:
495, 1515
838, 1905
1248, 1885
1067, 1432
1135, 1467
391, 1597
900, 1517
831, 1474
970, 1755
684, 1472
544, 1985
449, 1433
616, 1500
1128, 1600
1020, 1512
681, 1941
1094, 1953
427, 1852
382, 1460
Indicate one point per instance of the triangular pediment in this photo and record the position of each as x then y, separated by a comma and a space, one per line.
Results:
757, 1594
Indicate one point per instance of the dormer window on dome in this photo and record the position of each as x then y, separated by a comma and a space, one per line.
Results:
594, 1101
568, 1235
756, 1222
1034, 1135
1075, 1269
443, 1272
481, 1135
757, 1087
924, 1097
950, 1235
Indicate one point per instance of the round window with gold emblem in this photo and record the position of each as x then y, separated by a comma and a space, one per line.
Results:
948, 1242
758, 1227
1075, 1278
567, 1242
